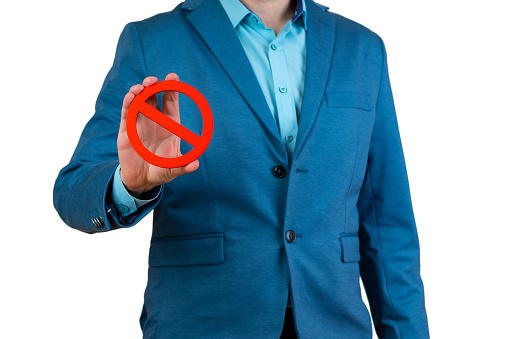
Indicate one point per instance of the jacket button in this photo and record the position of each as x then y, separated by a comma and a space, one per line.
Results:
290, 236
279, 171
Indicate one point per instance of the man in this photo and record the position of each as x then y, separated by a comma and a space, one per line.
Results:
302, 189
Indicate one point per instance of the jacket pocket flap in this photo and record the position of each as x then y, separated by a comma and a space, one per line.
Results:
350, 248
203, 249
348, 100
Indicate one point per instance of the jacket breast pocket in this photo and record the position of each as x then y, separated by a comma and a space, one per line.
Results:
356, 100
194, 250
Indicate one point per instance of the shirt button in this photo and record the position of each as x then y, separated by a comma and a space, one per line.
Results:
125, 208
273, 46
290, 236
283, 89
289, 138
254, 19
279, 171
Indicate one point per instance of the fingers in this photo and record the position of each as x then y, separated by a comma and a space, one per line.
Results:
169, 99
152, 101
127, 100
172, 76
149, 81
170, 105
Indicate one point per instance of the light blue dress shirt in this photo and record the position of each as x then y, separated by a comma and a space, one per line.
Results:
278, 62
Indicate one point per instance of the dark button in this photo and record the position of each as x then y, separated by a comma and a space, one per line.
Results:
290, 236
279, 171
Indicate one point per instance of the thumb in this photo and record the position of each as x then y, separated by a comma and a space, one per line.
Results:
185, 169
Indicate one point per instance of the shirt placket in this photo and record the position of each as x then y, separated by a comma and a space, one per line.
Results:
284, 100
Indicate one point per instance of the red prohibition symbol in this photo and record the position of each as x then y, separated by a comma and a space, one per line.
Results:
139, 105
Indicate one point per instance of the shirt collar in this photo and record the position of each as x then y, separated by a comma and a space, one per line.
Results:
236, 11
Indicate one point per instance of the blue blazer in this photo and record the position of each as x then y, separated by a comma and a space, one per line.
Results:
231, 238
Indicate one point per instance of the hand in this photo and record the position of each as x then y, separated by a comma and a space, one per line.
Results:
138, 175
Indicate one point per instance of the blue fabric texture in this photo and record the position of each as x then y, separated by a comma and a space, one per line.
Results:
221, 234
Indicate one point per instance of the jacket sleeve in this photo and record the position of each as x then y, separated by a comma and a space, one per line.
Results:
390, 254
81, 193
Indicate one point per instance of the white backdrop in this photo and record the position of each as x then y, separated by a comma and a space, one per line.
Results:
447, 63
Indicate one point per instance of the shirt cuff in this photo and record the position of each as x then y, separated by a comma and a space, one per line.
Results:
125, 204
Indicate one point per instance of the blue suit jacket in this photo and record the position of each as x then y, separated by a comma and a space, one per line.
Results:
220, 265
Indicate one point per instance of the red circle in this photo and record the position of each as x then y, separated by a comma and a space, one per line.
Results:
136, 108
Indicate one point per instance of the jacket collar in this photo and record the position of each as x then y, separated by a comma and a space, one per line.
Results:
237, 11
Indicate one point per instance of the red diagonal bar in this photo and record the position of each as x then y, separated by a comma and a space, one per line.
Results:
169, 124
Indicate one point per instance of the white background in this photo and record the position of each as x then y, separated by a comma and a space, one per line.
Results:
449, 73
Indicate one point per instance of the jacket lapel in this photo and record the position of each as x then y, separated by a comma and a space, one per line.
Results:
320, 46
212, 23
